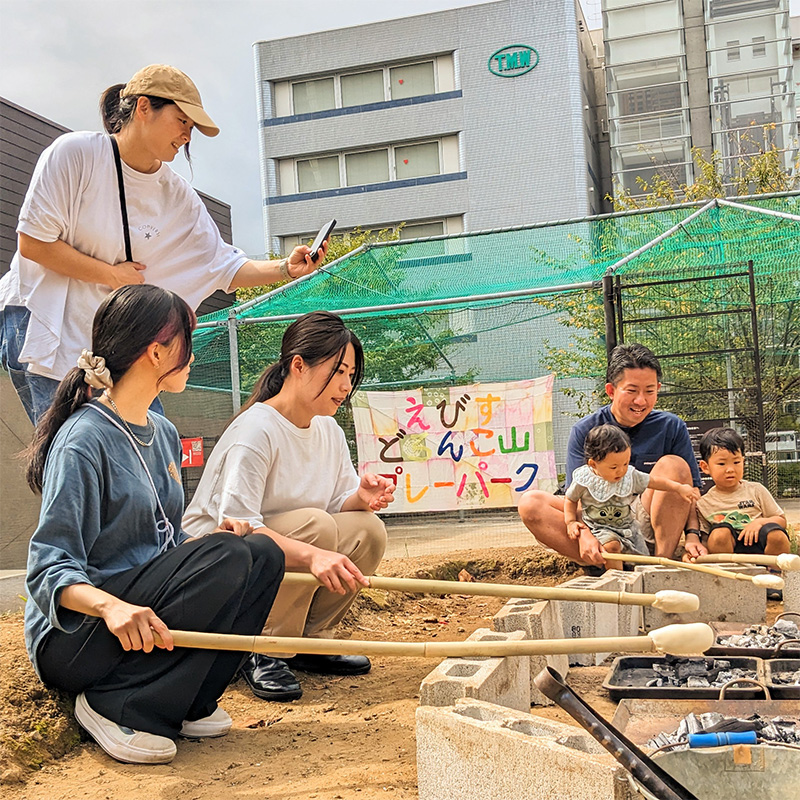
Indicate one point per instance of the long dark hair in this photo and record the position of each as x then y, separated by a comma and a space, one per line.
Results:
128, 321
116, 112
315, 337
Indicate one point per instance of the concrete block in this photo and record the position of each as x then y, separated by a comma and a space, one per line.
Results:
539, 619
502, 681
583, 619
477, 751
629, 618
721, 599
791, 592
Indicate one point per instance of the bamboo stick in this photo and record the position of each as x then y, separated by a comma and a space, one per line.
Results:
674, 602
690, 639
787, 562
767, 581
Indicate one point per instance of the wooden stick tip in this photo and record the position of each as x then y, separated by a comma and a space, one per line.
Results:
768, 581
788, 562
692, 639
674, 602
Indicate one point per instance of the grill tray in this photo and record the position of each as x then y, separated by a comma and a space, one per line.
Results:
626, 678
732, 629
782, 691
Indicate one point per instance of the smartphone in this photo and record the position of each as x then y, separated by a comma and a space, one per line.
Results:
324, 233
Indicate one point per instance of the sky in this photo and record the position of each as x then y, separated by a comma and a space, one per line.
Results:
57, 56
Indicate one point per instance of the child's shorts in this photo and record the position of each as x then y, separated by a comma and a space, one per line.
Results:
760, 544
631, 539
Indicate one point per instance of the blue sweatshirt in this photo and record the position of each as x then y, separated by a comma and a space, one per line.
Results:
99, 513
658, 434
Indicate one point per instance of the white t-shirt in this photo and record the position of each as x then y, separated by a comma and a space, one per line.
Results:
263, 465
74, 196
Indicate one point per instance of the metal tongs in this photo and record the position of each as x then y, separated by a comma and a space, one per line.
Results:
640, 765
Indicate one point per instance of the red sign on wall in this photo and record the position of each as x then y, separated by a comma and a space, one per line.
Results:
192, 452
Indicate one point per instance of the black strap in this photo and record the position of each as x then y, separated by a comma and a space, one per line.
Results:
123, 206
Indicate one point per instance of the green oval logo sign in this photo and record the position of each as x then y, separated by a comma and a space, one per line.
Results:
513, 61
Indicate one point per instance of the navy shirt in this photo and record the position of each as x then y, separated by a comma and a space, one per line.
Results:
658, 434
99, 513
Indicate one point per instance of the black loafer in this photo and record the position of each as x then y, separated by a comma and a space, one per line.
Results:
270, 678
330, 665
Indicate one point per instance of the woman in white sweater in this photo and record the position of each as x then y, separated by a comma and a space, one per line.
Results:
283, 465
105, 210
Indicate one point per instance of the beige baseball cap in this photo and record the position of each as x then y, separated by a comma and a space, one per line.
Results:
161, 80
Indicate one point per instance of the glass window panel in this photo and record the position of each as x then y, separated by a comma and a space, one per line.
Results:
314, 174
759, 47
362, 88
640, 48
412, 80
646, 99
370, 167
311, 96
663, 126
421, 230
648, 73
733, 51
416, 160
643, 17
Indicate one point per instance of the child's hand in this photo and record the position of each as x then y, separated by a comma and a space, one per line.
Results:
749, 534
576, 528
689, 493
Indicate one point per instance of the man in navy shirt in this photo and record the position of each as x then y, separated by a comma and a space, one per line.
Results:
660, 445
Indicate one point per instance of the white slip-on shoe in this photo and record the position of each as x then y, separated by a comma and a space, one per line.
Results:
124, 744
216, 724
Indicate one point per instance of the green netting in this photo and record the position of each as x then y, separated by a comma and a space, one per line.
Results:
513, 304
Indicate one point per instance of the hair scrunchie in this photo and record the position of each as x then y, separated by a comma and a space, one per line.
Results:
96, 372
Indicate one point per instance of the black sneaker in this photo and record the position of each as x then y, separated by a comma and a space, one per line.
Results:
270, 679
330, 665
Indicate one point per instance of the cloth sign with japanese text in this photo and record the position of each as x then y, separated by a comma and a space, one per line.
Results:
477, 446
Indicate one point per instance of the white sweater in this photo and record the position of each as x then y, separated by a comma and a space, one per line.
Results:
263, 465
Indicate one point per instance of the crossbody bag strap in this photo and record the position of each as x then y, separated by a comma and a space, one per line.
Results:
122, 204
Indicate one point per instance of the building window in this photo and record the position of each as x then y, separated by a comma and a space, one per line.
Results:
314, 174
317, 95
417, 160
362, 88
759, 46
422, 230
412, 80
369, 167
374, 85
361, 167
734, 51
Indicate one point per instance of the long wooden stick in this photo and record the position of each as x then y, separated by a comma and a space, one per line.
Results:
675, 602
767, 581
689, 639
786, 562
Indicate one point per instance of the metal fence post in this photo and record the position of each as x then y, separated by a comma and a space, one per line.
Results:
233, 346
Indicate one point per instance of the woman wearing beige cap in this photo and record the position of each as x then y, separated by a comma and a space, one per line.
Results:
103, 211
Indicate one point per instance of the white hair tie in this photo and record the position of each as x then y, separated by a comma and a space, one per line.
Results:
96, 372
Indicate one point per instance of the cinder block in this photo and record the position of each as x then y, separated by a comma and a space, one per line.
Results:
791, 592
721, 599
539, 619
629, 618
477, 751
502, 681
582, 619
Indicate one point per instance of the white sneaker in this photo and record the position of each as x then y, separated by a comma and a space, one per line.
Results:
124, 744
216, 724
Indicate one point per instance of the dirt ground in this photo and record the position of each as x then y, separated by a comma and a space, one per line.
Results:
345, 738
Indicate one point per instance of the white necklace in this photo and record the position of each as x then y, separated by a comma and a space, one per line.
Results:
150, 423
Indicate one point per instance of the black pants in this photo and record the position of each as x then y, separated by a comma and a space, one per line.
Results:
221, 583
760, 544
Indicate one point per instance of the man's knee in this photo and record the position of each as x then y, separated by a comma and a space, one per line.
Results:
673, 467
533, 505
313, 526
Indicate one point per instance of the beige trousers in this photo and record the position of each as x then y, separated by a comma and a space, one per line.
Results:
306, 611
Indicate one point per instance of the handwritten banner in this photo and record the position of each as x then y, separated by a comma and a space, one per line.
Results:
478, 446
